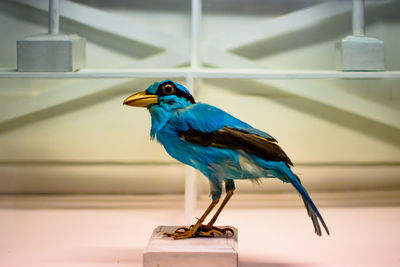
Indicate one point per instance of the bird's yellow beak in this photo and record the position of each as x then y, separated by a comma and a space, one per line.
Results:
141, 99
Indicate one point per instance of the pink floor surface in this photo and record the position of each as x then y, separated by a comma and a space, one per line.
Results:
267, 237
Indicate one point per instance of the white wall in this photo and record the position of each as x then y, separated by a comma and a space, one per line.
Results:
96, 145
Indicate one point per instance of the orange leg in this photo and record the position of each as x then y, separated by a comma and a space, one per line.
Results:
228, 196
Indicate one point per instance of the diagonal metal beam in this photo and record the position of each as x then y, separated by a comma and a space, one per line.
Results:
61, 95
221, 58
284, 24
114, 24
173, 56
315, 91
289, 23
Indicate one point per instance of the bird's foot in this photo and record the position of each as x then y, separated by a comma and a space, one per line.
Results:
182, 232
200, 231
210, 231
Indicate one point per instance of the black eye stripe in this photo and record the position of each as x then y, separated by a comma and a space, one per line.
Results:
166, 88
169, 88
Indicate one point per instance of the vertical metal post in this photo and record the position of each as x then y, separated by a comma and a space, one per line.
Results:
358, 18
195, 62
54, 16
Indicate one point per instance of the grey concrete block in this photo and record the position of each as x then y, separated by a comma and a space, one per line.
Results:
53, 53
194, 252
360, 53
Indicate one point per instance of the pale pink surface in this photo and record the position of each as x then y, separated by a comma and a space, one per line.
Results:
278, 237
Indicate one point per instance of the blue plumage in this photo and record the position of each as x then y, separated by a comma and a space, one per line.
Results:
219, 145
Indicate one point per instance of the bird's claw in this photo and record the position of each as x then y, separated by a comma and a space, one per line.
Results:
183, 229
182, 232
201, 231
207, 230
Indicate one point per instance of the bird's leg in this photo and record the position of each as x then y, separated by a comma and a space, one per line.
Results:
191, 231
210, 229
228, 196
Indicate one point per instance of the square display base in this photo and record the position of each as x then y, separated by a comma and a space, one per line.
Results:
164, 251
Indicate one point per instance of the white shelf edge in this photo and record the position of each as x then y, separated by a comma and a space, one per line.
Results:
206, 73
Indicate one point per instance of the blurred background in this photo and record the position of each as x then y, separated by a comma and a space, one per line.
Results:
71, 139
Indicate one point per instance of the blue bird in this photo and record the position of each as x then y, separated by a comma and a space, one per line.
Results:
219, 145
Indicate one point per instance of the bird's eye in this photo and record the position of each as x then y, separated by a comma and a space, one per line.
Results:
168, 89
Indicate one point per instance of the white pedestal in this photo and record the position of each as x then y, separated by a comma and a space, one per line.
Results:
164, 251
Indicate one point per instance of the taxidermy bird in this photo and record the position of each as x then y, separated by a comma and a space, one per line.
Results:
219, 145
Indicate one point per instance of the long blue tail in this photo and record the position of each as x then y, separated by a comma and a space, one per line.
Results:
282, 171
310, 206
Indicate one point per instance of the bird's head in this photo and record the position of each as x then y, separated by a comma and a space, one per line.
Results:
165, 92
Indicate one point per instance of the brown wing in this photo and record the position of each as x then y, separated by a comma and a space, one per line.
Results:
237, 139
